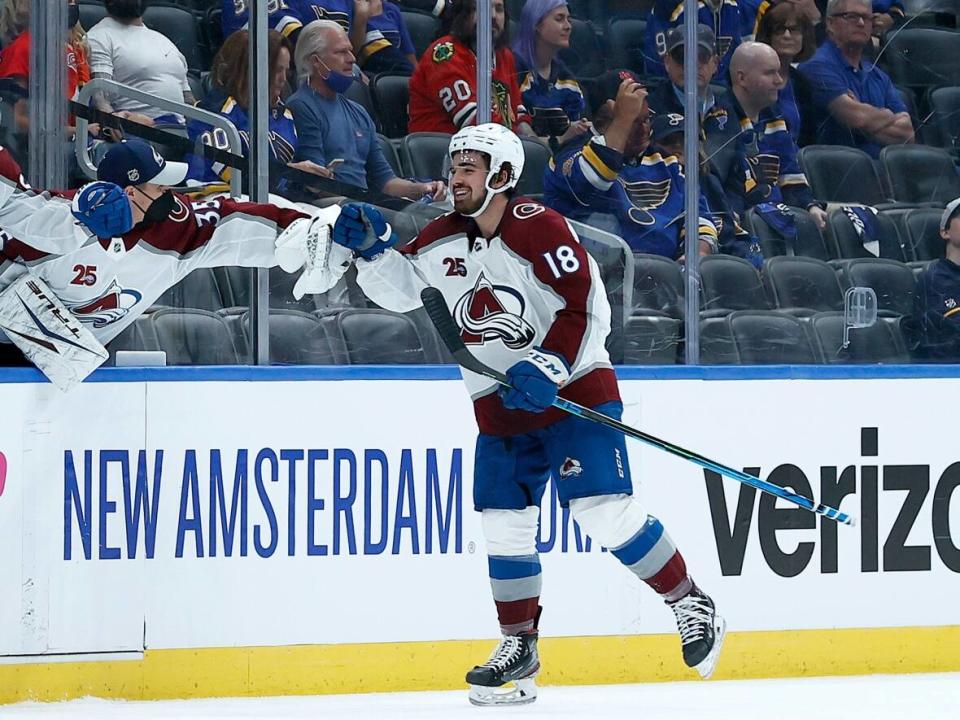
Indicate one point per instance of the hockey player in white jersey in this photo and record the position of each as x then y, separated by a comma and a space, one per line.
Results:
530, 302
135, 239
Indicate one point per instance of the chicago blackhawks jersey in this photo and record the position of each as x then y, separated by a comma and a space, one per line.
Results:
108, 282
443, 89
531, 285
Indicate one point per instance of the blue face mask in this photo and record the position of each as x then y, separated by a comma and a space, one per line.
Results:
338, 82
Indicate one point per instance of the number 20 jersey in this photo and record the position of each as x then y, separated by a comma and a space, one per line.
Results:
531, 285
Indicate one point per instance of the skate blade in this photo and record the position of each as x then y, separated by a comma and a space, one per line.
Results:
520, 692
709, 663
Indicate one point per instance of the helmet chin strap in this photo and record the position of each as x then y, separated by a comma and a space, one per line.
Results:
490, 193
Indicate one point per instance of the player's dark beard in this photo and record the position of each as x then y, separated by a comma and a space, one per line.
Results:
126, 9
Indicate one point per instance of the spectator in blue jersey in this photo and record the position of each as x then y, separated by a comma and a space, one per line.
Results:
770, 173
723, 17
619, 182
230, 97
546, 84
857, 100
936, 320
384, 41
789, 31
287, 16
335, 132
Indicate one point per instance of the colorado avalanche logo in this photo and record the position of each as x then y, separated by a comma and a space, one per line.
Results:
493, 312
115, 303
571, 468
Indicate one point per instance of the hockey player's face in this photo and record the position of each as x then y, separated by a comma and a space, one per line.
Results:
468, 178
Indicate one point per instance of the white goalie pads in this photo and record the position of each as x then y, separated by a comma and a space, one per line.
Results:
35, 320
308, 244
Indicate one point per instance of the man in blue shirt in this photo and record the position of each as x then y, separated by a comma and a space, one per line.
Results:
858, 101
337, 133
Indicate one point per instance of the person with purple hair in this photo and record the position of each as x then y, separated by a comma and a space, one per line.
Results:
546, 84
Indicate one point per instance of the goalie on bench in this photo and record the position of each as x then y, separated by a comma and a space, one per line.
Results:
530, 303
137, 239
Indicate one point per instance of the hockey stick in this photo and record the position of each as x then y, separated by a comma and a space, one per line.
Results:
436, 308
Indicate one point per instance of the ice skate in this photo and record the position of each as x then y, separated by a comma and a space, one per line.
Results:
507, 678
701, 631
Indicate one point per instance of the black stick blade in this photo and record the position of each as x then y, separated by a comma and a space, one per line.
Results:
436, 308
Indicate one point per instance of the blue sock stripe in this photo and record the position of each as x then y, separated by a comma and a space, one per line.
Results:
503, 567
640, 544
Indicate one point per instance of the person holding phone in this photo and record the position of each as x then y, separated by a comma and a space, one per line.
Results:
332, 128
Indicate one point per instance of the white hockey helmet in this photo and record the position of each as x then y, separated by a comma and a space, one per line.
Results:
501, 145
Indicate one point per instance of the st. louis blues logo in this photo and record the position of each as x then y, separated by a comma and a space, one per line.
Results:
493, 312
645, 194
114, 304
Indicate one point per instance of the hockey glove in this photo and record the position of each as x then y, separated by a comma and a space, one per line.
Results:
534, 381
362, 228
305, 243
103, 208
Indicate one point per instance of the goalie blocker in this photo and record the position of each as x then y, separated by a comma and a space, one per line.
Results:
48, 334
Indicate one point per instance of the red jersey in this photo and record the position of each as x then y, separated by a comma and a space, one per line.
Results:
443, 94
15, 62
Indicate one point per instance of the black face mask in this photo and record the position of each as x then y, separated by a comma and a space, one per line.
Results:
126, 9
73, 16
160, 208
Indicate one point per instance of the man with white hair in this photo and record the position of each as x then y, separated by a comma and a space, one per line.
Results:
335, 132
772, 172
858, 101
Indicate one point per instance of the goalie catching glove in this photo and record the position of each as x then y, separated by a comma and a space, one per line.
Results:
306, 243
362, 228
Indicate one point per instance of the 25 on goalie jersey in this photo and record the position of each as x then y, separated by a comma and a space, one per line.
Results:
531, 285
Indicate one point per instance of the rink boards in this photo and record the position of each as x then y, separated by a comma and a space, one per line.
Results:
252, 532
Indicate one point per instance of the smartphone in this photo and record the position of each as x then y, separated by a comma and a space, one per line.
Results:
332, 165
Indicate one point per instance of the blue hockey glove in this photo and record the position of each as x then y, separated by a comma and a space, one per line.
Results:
104, 208
534, 381
362, 228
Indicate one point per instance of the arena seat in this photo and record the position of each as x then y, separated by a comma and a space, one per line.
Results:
625, 37
803, 283
391, 99
890, 244
200, 289
423, 29
879, 343
536, 157
731, 283
717, 346
809, 242
892, 281
651, 340
376, 337
657, 286
180, 26
194, 337
922, 227
920, 174
584, 56
770, 338
425, 154
390, 153
944, 105
923, 57
842, 175
296, 338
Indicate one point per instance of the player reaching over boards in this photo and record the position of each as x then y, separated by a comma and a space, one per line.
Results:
136, 238
530, 303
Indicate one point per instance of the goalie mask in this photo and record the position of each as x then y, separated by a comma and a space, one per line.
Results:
497, 143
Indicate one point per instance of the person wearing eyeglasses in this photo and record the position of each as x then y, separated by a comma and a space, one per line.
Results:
857, 100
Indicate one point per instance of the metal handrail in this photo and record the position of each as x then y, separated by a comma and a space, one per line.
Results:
116, 89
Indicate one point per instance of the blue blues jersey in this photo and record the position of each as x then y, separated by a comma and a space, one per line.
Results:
286, 16
770, 170
561, 90
387, 42
282, 140
645, 197
726, 23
